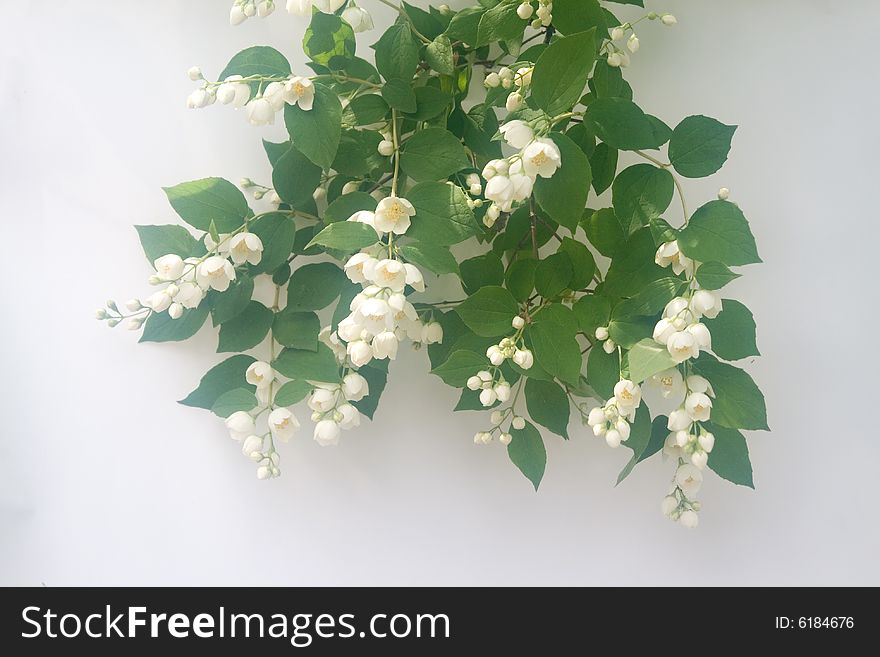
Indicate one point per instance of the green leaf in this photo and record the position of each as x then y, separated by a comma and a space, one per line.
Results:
346, 236
640, 193
561, 72
158, 241
308, 365
571, 16
399, 94
292, 393
376, 378
527, 452
555, 345
296, 329
647, 358
622, 124
459, 367
714, 275
428, 24
548, 405
365, 110
277, 232
520, 278
608, 82
553, 275
223, 377
442, 214
397, 53
699, 146
500, 23
453, 329
626, 330
489, 312
237, 399
329, 41
651, 298
294, 177
316, 132
247, 329
315, 286
603, 371
257, 60
633, 267
733, 331
592, 311
639, 438
729, 457
437, 259
738, 402
603, 163
582, 261
564, 195
433, 154
200, 202
233, 301
463, 26
161, 328
605, 232
718, 231
438, 54
481, 271
342, 208
430, 103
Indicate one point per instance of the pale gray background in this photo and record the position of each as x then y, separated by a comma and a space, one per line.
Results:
105, 480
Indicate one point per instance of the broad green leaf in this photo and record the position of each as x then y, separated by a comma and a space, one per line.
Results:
633, 267
608, 82
626, 330
561, 72
277, 232
581, 135
427, 23
592, 311
489, 312
437, 259
376, 376
651, 298
346, 236
226, 376
161, 328
442, 214
478, 127
647, 358
564, 195
306, 365
640, 193
481, 271
699, 146
639, 438
397, 53
329, 41
292, 393
358, 156
553, 275
520, 278
459, 367
399, 94
603, 163
453, 329
342, 208
295, 177
438, 54
433, 154
464, 25
604, 232
572, 16
247, 329
430, 103
738, 402
714, 275
201, 202
554, 343
296, 329
733, 331
620, 123
548, 405
315, 286
500, 23
527, 452
729, 457
316, 132
257, 60
603, 371
237, 399
366, 109
582, 261
233, 301
719, 232
158, 241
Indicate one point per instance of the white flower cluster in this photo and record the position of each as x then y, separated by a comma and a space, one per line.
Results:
602, 335
543, 16
260, 447
613, 419
507, 79
262, 108
680, 329
244, 9
331, 408
304, 7
679, 504
498, 418
512, 179
380, 315
492, 385
618, 56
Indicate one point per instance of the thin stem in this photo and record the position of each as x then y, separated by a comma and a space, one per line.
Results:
403, 13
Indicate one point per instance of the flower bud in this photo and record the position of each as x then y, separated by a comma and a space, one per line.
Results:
505, 438
264, 471
251, 444
525, 11
175, 311
700, 459
265, 8
613, 438
518, 423
614, 59
609, 346
496, 417
668, 19
514, 102
602, 333
133, 305
723, 194
668, 505
633, 43
518, 323
237, 16
494, 355
386, 148
492, 80
617, 33
100, 313
707, 441
135, 323
502, 391
689, 518
444, 9
488, 397
194, 73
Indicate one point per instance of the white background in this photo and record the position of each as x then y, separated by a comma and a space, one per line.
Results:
105, 480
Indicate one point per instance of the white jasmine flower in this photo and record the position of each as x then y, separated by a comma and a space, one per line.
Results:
355, 387
675, 307
707, 441
432, 333
359, 267
524, 77
670, 254
385, 345
525, 11
689, 519
189, 295
245, 247
500, 190
518, 322
699, 459
502, 392
221, 246
260, 112
514, 102
215, 272
518, 423
524, 358
596, 416
386, 148
698, 406
628, 396
505, 439
264, 472
701, 335
169, 267
682, 346
517, 133
679, 420
237, 15
175, 311
359, 352
705, 303
393, 215
240, 425
495, 168
194, 73
358, 17
697, 383
670, 382
613, 438
609, 346
474, 383
159, 301
542, 158
668, 505
322, 400
375, 316
283, 424
327, 433
264, 8
492, 80
623, 428
391, 274
495, 356
689, 478
602, 333
260, 374
274, 93
488, 397
617, 33
671, 448
414, 277
365, 217
252, 447
234, 92
614, 59
633, 43
299, 91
